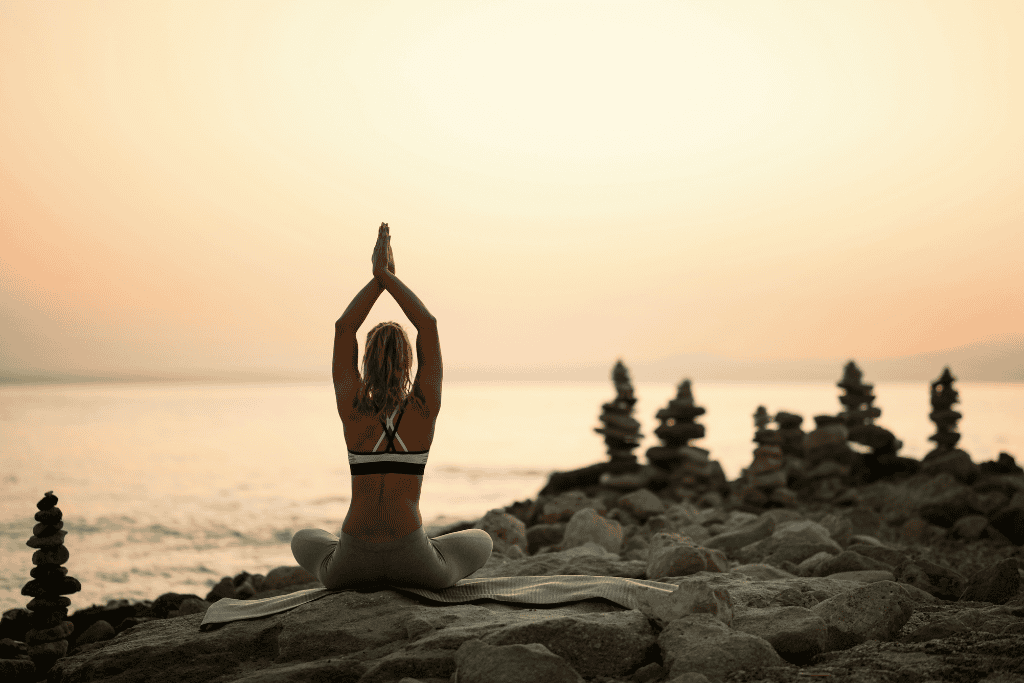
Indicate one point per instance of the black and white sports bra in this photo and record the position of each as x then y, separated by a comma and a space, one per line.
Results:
390, 459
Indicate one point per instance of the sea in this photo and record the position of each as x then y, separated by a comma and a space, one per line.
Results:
171, 486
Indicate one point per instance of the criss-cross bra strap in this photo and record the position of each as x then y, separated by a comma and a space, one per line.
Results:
391, 431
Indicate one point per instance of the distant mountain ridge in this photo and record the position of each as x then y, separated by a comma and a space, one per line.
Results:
995, 360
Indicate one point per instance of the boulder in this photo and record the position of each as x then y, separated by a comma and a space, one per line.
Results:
692, 597
478, 662
997, 583
796, 633
969, 527
20, 670
563, 506
995, 620
641, 504
874, 611
600, 644
282, 577
587, 525
673, 555
99, 631
1009, 521
731, 541
505, 531
701, 643
941, 582
540, 535
848, 561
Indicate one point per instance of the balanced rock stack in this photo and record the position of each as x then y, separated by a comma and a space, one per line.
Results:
828, 460
791, 440
621, 431
946, 457
48, 632
880, 459
691, 471
764, 482
858, 398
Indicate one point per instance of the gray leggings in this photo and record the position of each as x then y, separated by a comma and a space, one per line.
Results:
414, 559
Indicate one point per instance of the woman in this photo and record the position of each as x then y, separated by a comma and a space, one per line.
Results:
382, 539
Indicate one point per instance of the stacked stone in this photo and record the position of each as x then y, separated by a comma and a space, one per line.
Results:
621, 432
690, 469
945, 418
828, 460
946, 457
764, 482
791, 440
858, 398
48, 632
790, 434
879, 459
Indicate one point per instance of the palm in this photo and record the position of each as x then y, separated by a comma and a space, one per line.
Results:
382, 255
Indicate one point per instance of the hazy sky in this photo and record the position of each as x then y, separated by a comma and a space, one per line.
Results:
198, 185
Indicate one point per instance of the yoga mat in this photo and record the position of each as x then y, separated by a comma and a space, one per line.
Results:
535, 590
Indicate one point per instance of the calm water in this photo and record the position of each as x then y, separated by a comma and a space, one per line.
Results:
171, 486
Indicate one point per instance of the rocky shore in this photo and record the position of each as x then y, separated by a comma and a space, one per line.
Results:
884, 585
830, 558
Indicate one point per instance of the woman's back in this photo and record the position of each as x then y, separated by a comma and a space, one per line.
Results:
385, 505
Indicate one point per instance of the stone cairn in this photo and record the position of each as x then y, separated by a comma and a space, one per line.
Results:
791, 440
946, 457
764, 483
48, 632
857, 399
828, 460
879, 458
621, 431
690, 470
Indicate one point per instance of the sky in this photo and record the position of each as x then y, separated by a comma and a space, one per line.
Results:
196, 187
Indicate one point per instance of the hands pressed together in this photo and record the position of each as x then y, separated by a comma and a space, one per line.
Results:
382, 257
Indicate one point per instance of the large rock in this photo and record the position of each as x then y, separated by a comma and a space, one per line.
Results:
703, 644
875, 611
602, 644
478, 662
505, 531
689, 598
943, 508
384, 635
641, 504
996, 620
996, 583
563, 506
731, 541
796, 633
792, 541
1009, 521
674, 555
279, 577
941, 582
540, 535
848, 561
587, 525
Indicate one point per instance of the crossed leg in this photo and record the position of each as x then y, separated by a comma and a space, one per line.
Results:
413, 559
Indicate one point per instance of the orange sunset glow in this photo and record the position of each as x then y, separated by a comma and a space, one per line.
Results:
195, 188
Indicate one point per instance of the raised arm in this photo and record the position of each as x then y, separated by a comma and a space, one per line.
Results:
413, 308
384, 272
427, 384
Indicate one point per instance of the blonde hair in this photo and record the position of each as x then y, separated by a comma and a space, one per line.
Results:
387, 364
